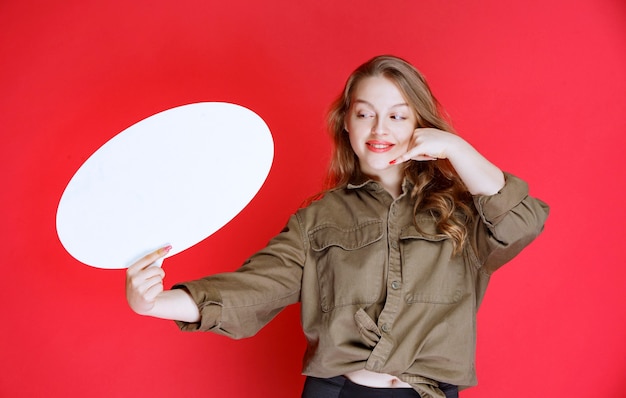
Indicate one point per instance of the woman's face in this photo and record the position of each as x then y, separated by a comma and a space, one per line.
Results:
380, 124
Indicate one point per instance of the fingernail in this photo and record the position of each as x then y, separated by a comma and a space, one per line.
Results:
393, 162
166, 249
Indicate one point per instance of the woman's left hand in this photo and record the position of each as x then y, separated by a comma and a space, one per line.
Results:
481, 177
430, 144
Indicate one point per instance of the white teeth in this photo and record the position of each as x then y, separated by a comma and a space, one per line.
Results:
379, 146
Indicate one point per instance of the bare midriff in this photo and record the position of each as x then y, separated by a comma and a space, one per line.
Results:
377, 380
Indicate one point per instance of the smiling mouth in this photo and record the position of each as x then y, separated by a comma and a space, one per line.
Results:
379, 146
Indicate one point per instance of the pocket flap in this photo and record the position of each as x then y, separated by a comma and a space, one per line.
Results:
368, 329
348, 238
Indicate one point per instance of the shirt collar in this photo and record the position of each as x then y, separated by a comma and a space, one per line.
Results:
371, 185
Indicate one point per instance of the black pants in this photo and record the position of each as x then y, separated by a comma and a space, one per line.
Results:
341, 387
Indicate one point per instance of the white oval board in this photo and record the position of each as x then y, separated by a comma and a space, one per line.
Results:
173, 178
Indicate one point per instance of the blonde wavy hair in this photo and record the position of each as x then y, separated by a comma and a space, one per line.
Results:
437, 187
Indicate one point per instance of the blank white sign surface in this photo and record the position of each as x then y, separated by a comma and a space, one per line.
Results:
173, 178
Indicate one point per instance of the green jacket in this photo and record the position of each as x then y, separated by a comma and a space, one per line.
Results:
375, 293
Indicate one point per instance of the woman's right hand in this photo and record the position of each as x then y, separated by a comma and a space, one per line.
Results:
145, 294
144, 281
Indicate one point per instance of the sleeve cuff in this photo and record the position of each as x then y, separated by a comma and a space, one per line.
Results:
209, 302
493, 208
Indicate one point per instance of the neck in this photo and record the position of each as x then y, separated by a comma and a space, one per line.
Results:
391, 180
394, 190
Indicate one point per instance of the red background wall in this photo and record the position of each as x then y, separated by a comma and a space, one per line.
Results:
538, 86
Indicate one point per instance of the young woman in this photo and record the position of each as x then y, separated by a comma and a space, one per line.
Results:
390, 263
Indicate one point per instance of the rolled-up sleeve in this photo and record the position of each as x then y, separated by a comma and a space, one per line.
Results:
209, 302
507, 222
238, 304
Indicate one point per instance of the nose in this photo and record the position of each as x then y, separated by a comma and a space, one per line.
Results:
379, 126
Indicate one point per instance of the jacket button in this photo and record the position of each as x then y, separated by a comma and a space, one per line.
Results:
395, 285
385, 328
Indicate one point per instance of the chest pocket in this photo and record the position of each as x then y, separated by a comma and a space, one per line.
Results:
429, 271
350, 263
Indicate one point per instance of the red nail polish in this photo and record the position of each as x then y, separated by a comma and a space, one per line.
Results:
393, 162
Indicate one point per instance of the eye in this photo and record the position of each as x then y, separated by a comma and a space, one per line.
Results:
398, 117
364, 115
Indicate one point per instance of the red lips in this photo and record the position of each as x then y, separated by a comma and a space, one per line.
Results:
379, 146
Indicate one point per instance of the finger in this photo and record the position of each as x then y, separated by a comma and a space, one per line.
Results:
153, 290
150, 272
144, 276
149, 259
425, 157
156, 277
419, 157
400, 159
141, 286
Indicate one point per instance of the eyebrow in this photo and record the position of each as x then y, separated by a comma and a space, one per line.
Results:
360, 101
